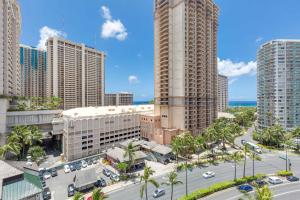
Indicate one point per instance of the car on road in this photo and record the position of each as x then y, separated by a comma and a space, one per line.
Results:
243, 142
46, 175
53, 172
106, 172
84, 164
245, 188
71, 190
159, 192
292, 178
72, 167
208, 174
114, 177
46, 193
67, 169
259, 183
275, 180
43, 183
100, 183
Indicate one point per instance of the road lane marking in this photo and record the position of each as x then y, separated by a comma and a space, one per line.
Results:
281, 194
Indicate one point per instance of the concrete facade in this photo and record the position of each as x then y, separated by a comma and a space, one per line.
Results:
118, 99
75, 73
10, 28
88, 131
33, 72
278, 84
185, 64
222, 93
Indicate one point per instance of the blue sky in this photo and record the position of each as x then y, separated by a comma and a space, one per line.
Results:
124, 30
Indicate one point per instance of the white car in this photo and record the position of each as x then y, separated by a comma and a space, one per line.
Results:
275, 180
67, 169
46, 175
208, 174
84, 164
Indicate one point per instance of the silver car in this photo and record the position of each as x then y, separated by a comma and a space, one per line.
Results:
159, 192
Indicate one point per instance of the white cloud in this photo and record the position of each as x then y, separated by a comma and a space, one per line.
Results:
231, 81
259, 39
132, 79
45, 33
232, 69
112, 28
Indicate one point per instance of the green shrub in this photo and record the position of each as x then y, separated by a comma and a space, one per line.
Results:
220, 186
284, 173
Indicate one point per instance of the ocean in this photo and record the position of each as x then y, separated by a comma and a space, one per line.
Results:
231, 103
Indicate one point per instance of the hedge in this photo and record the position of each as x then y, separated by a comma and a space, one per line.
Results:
284, 173
220, 186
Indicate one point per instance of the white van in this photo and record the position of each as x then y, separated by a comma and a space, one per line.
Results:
275, 180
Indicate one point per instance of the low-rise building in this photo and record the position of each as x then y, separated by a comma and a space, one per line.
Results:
15, 184
88, 131
118, 99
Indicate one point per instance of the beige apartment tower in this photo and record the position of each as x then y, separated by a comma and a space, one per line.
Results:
75, 73
222, 93
118, 99
10, 27
185, 64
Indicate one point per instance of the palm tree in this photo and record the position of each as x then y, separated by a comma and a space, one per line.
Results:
287, 145
146, 177
37, 153
175, 146
172, 181
78, 196
98, 195
254, 156
236, 157
10, 147
199, 145
246, 150
130, 153
30, 136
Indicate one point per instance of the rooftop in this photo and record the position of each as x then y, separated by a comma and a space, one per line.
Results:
106, 110
118, 154
85, 177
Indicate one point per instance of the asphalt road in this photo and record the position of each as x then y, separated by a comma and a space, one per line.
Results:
225, 171
286, 191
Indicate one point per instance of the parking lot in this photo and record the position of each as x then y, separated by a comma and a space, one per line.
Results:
58, 185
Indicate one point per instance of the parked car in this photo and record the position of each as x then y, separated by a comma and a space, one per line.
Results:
90, 162
106, 172
100, 183
71, 190
114, 177
46, 175
78, 166
245, 188
259, 183
275, 180
72, 168
53, 172
292, 178
84, 164
67, 169
95, 161
243, 141
208, 174
46, 193
159, 192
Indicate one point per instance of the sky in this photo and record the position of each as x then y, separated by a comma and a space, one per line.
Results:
124, 30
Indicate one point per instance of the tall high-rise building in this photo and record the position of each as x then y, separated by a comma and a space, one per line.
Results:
33, 72
278, 84
222, 93
118, 99
75, 73
10, 27
185, 64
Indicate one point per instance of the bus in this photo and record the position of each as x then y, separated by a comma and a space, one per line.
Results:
254, 147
